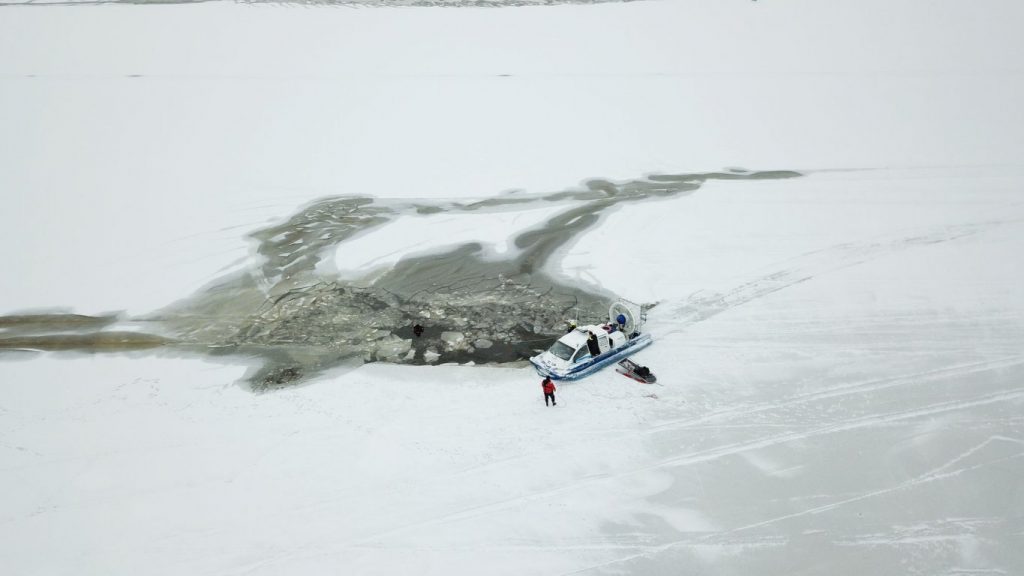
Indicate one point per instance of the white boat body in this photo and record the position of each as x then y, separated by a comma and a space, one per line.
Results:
570, 358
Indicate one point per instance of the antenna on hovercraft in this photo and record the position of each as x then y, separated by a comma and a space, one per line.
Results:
572, 324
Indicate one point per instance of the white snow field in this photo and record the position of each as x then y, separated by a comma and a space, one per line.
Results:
840, 355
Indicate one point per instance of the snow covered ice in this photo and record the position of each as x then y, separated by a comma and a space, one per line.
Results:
839, 353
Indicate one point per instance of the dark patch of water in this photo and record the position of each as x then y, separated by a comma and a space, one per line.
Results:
301, 321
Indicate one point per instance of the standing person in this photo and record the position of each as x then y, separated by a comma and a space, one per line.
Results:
592, 345
549, 391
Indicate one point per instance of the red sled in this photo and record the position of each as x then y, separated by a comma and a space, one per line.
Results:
631, 369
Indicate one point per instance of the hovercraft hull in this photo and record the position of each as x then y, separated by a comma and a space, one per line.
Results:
587, 368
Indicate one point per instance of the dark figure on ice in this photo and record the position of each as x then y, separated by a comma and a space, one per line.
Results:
592, 345
549, 391
417, 330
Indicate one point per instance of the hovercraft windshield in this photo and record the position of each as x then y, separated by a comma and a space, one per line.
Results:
562, 350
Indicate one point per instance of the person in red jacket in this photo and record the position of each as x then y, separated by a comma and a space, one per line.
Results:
549, 391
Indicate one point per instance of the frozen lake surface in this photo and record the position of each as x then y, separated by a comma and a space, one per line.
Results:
838, 351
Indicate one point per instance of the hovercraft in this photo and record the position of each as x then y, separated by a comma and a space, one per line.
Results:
586, 349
